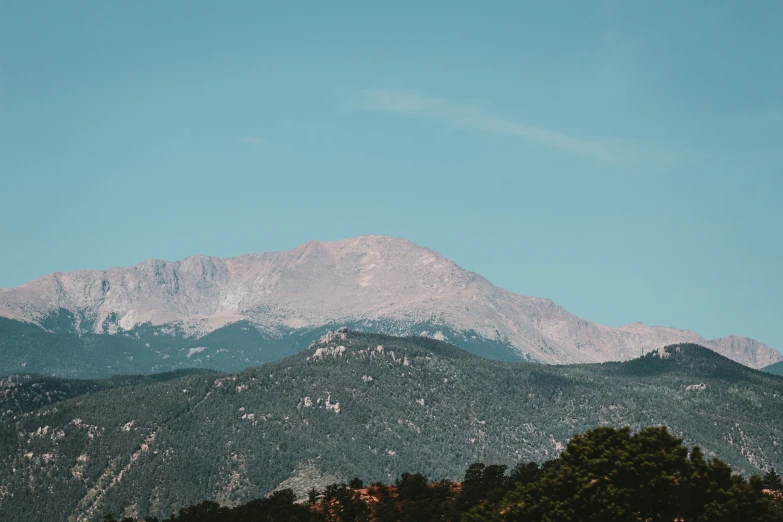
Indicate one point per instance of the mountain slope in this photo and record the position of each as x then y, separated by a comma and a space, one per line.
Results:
389, 284
25, 393
26, 347
775, 369
366, 405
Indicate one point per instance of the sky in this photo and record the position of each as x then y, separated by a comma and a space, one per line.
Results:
623, 158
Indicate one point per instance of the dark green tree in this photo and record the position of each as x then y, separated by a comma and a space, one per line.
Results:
412, 486
472, 487
482, 483
386, 508
611, 474
205, 512
524, 473
772, 480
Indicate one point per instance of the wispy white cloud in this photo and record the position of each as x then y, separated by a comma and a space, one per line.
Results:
253, 140
468, 116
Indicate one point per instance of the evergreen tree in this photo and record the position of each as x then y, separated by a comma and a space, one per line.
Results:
524, 473
772, 480
312, 496
611, 474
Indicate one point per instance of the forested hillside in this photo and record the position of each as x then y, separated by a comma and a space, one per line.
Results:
775, 369
363, 405
61, 351
25, 393
603, 475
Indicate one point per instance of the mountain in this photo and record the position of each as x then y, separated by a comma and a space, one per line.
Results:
26, 347
775, 369
27, 392
284, 299
365, 405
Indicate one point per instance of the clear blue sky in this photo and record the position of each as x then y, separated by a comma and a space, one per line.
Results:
622, 158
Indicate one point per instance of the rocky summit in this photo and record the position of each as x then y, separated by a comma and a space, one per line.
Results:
375, 283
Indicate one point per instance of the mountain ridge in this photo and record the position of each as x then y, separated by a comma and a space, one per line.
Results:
393, 404
775, 369
366, 278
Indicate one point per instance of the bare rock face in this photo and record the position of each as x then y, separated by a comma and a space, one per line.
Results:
367, 278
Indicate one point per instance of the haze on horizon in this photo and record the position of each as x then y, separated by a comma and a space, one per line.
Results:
622, 160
